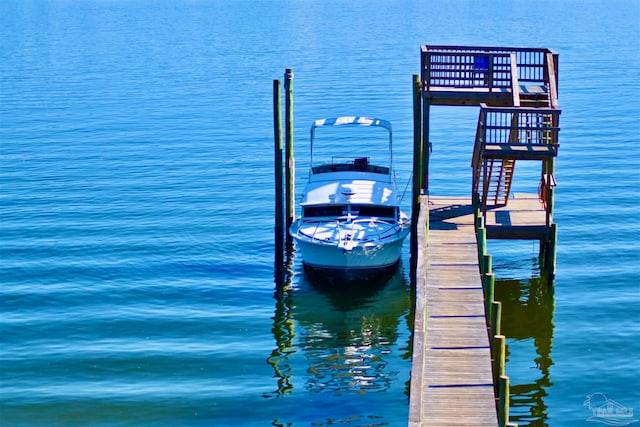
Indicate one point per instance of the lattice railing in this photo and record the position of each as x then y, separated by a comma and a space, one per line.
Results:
485, 67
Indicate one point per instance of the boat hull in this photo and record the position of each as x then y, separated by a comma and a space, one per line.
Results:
336, 277
318, 254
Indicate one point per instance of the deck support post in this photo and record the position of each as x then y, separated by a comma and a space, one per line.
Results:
478, 219
426, 146
426, 104
551, 253
417, 174
290, 161
279, 230
547, 257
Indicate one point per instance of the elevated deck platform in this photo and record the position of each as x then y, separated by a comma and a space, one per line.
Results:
496, 76
524, 218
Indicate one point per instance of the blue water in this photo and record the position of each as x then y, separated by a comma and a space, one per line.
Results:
136, 211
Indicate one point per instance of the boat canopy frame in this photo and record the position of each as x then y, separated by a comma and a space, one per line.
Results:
353, 121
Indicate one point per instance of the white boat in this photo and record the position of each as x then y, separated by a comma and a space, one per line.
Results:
351, 223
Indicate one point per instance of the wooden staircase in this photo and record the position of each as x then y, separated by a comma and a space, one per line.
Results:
504, 136
497, 186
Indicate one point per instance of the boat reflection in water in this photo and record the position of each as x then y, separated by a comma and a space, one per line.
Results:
527, 323
345, 337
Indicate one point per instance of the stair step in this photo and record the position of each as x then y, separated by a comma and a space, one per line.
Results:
499, 180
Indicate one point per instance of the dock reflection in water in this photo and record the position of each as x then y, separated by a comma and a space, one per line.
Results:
527, 323
346, 336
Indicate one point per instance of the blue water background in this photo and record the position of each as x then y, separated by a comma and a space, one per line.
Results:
136, 210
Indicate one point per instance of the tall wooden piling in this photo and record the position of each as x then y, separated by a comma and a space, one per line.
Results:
290, 162
417, 171
279, 230
551, 258
426, 108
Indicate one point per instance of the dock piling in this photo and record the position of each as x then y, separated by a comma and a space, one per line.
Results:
488, 284
503, 400
417, 172
279, 230
499, 356
496, 319
290, 161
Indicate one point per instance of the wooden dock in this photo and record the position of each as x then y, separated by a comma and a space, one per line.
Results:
458, 376
452, 357
453, 371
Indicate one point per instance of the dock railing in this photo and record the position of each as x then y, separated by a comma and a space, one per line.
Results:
506, 128
510, 134
489, 67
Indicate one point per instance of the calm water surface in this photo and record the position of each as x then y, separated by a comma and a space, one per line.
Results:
136, 211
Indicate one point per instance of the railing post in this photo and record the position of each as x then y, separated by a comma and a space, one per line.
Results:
503, 400
490, 70
482, 243
496, 318
479, 218
499, 356
488, 282
486, 260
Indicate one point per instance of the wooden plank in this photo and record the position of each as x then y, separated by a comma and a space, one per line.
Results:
515, 86
523, 218
499, 97
520, 151
553, 84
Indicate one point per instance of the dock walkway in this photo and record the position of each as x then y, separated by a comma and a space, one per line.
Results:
457, 377
456, 386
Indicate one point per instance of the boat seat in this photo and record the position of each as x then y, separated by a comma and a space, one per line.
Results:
361, 163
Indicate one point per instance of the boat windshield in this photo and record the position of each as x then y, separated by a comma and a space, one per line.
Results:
387, 212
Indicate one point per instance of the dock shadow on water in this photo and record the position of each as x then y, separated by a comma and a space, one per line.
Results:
340, 341
527, 322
